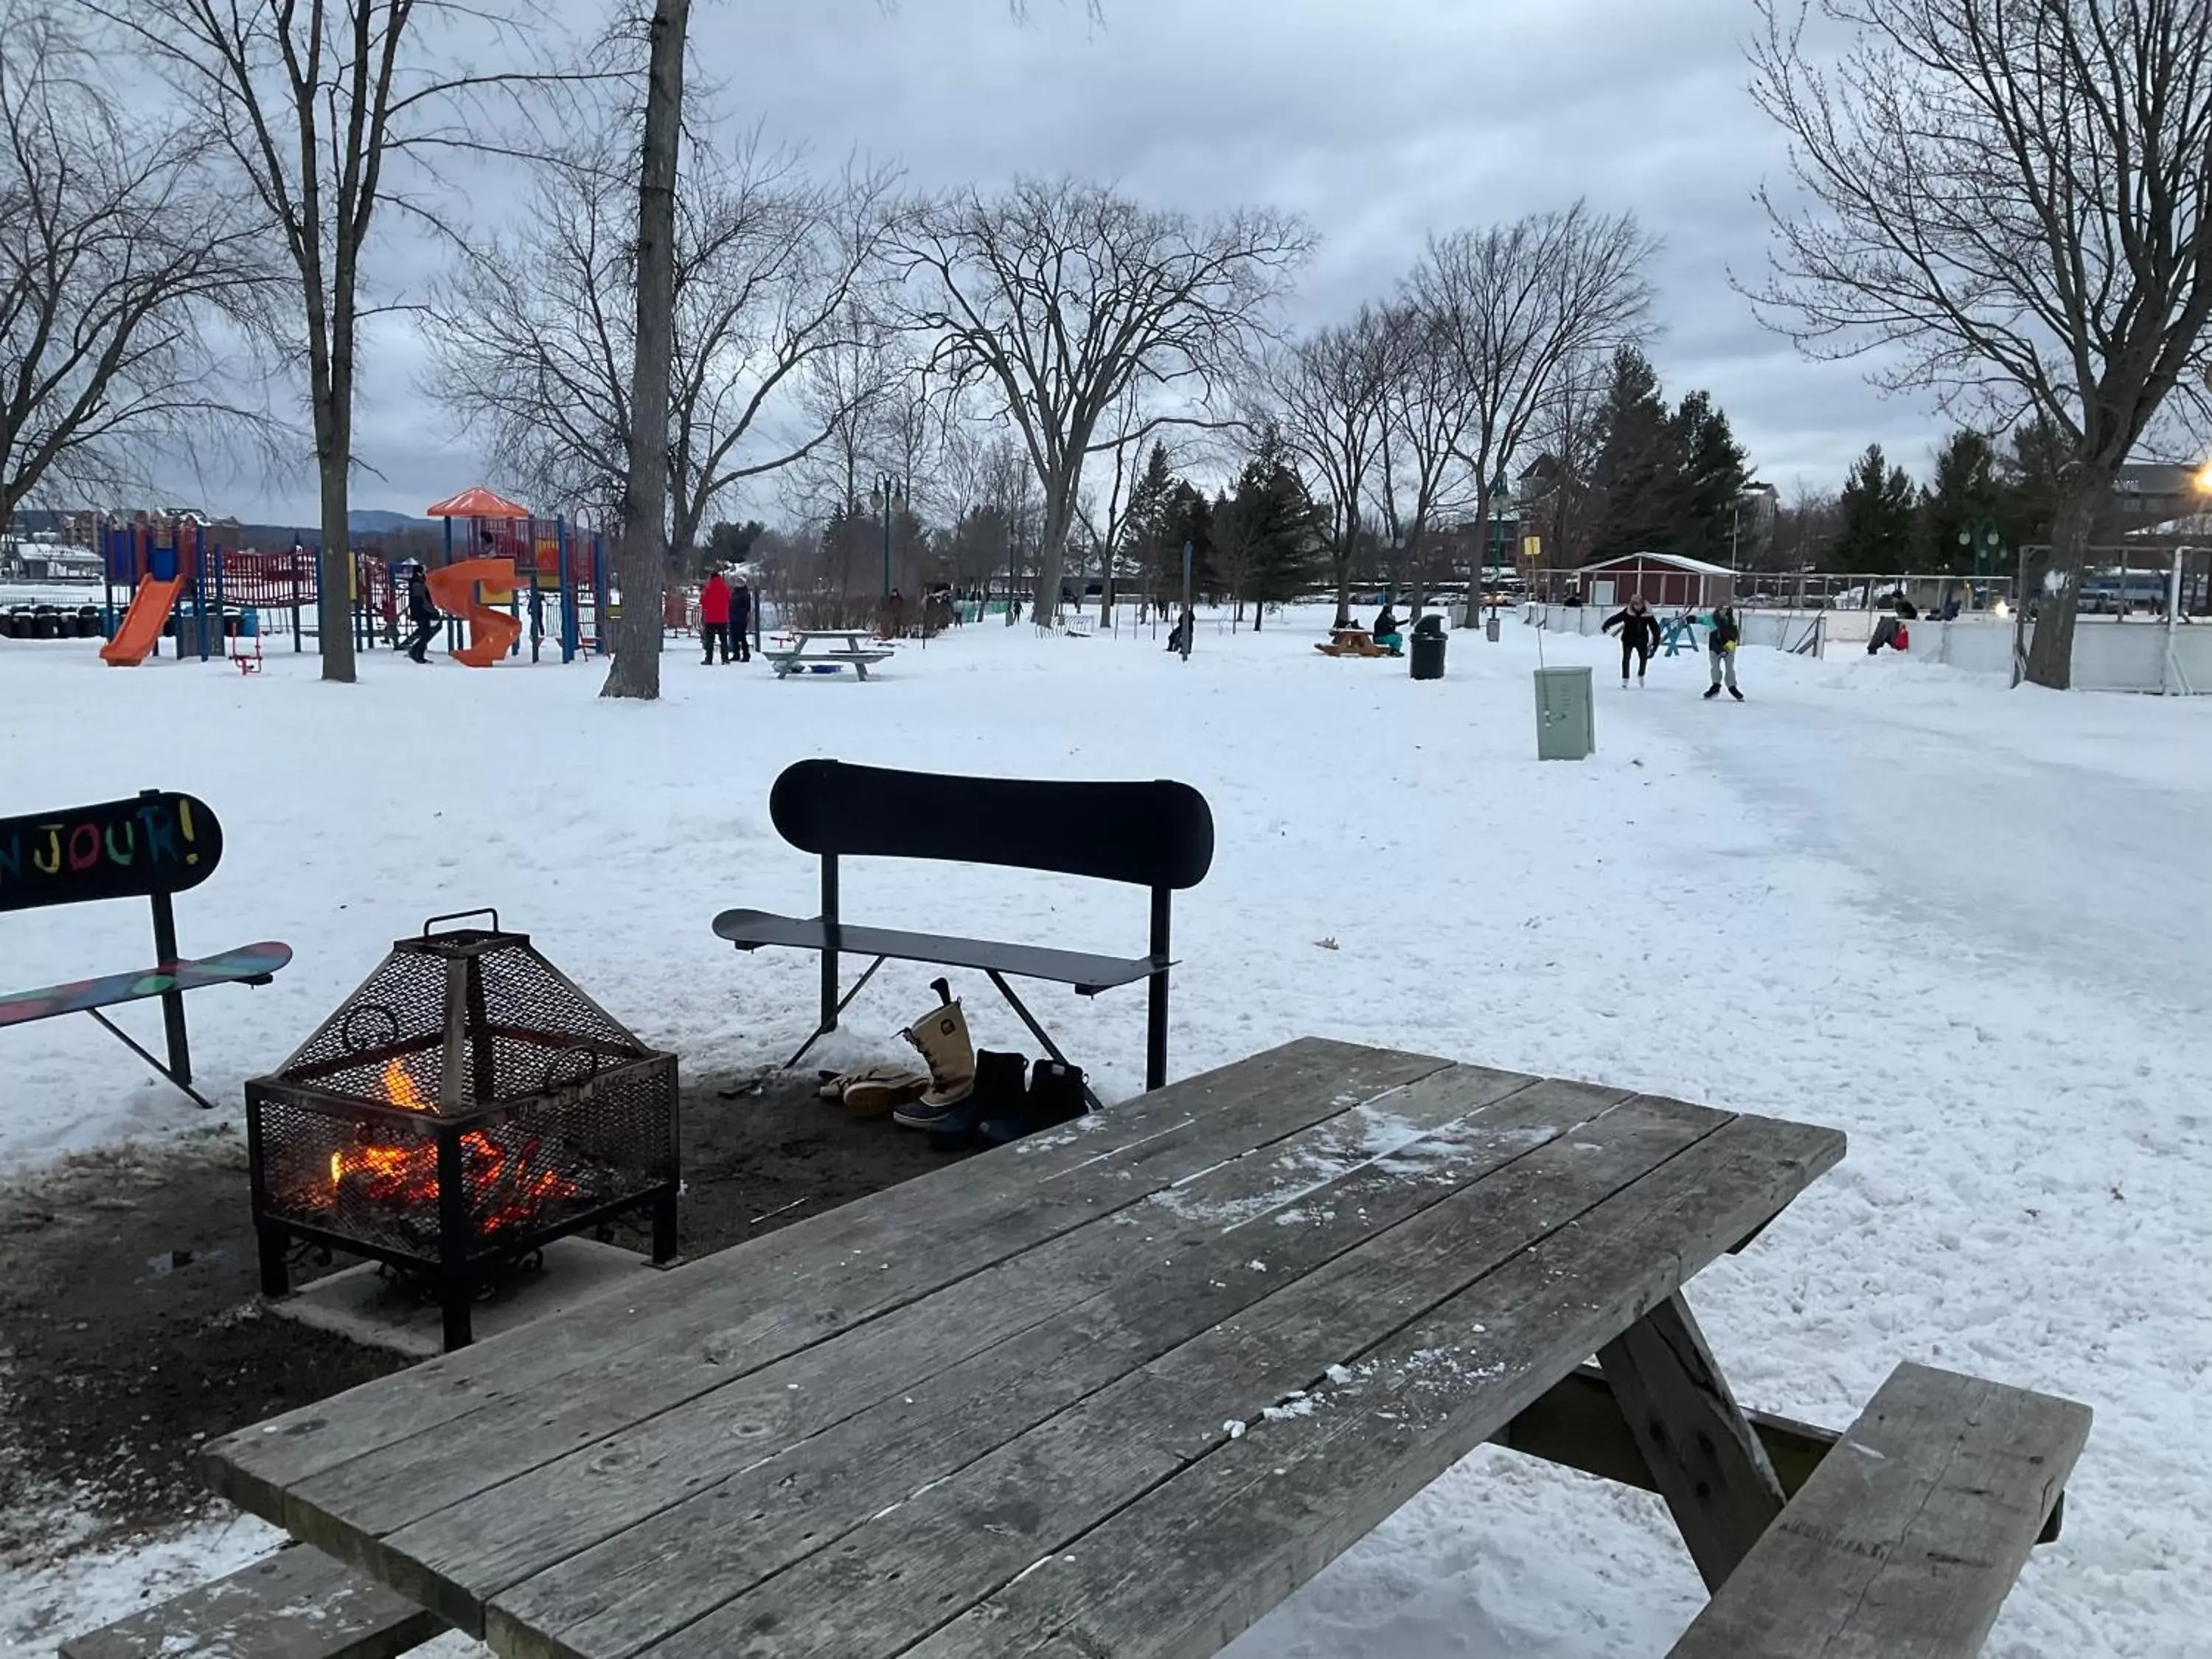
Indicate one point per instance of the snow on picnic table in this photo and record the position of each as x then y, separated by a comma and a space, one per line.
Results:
1971, 928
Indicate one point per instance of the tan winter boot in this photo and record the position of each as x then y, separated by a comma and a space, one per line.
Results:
874, 1089
941, 1038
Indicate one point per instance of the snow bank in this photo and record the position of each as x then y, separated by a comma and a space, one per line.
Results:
1966, 927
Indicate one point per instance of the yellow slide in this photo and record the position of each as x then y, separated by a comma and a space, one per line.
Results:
141, 623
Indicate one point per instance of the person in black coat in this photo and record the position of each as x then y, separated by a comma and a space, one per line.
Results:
423, 611
1639, 636
741, 620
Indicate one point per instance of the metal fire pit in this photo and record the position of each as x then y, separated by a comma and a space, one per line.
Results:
464, 1107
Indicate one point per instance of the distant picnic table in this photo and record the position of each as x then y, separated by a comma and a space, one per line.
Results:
845, 646
1115, 1388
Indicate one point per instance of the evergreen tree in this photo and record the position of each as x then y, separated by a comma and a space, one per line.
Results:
1635, 476
1965, 489
1877, 516
1709, 484
1270, 541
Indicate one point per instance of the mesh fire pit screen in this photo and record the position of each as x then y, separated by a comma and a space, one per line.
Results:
463, 1108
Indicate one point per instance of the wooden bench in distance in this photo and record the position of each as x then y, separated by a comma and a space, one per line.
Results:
296, 1604
1907, 1538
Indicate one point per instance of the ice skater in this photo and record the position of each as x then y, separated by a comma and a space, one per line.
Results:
1720, 648
1639, 637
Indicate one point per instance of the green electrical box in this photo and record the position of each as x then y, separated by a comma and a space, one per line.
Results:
1566, 714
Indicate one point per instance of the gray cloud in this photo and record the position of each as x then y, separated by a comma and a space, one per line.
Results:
1381, 121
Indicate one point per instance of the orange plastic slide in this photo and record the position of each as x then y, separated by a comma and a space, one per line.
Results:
141, 623
492, 632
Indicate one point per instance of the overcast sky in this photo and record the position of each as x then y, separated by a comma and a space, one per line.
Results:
1381, 120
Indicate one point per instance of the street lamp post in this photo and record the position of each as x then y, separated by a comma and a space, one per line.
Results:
1979, 538
1501, 509
891, 491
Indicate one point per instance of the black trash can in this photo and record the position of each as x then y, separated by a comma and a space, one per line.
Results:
1427, 648
88, 622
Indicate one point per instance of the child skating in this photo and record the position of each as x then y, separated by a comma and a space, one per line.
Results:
1720, 648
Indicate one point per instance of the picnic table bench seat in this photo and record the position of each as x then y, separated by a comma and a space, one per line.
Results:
296, 1604
1909, 1534
753, 930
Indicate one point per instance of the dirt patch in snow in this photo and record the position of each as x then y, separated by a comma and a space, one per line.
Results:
130, 1332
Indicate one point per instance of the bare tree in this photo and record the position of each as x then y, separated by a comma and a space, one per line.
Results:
1426, 410
533, 339
120, 258
2008, 203
641, 550
1061, 296
1517, 304
1329, 394
315, 100
1568, 435
642, 557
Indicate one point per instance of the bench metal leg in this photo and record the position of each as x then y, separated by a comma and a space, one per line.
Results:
1039, 1032
1705, 1458
127, 1040
830, 1021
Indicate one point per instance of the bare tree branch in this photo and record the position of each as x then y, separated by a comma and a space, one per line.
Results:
2008, 203
1056, 297
123, 273
1517, 304
313, 102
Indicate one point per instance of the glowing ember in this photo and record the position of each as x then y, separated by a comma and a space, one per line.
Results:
505, 1190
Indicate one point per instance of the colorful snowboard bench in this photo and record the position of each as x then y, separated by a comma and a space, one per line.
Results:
153, 845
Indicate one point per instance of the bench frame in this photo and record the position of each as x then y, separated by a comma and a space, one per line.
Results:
1157, 835
170, 822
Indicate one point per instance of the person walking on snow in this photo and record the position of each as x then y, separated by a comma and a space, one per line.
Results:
715, 616
1720, 646
741, 620
423, 611
1639, 636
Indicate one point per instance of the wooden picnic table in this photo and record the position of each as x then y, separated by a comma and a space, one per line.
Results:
858, 650
1117, 1388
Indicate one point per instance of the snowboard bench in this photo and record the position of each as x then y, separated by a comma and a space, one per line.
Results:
296, 1604
1157, 836
152, 846
1906, 1538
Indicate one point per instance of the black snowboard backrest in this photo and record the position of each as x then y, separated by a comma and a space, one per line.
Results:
1152, 835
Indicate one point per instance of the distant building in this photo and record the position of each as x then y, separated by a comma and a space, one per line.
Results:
1667, 581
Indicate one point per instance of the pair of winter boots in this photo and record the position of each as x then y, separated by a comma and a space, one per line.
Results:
984, 1098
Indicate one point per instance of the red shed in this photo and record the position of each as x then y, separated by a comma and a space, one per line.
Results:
1667, 581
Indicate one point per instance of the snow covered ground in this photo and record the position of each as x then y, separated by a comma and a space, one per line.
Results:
1971, 928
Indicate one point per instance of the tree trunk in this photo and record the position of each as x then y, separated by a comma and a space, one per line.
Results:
1052, 556
334, 572
643, 558
2050, 650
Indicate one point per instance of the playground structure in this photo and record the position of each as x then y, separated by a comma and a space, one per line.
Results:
172, 581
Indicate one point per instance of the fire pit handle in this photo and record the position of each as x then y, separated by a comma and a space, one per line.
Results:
462, 915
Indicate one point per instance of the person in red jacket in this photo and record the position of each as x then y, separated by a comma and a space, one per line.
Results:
715, 616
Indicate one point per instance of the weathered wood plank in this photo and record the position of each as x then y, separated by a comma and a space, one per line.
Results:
896, 1578
1909, 1536
661, 1572
296, 1604
626, 1468
1209, 1547
1704, 1457
680, 1333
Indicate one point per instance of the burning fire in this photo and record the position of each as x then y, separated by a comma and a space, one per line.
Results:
504, 1190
